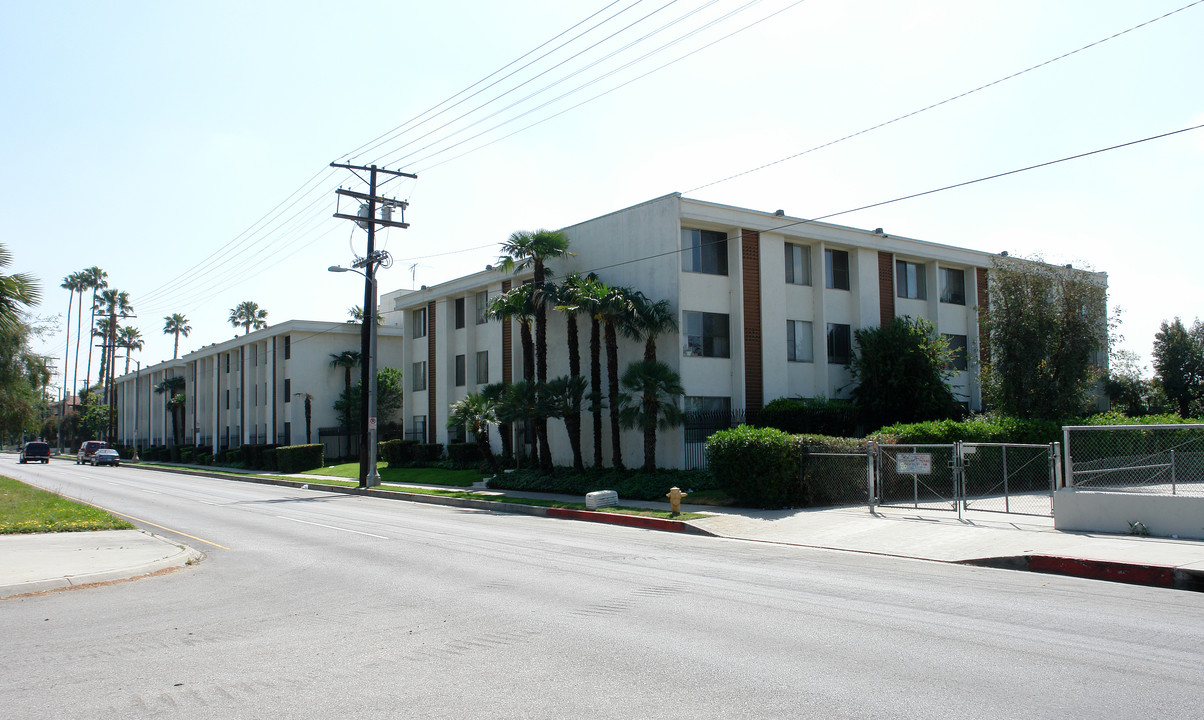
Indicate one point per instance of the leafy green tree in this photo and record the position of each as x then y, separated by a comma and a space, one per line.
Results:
389, 394
1129, 390
1179, 363
249, 315
651, 402
902, 372
476, 412
1049, 333
177, 325
94, 415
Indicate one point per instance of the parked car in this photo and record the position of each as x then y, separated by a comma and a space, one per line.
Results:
88, 449
35, 451
106, 456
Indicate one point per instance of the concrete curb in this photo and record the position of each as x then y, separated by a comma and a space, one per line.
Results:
181, 556
1149, 575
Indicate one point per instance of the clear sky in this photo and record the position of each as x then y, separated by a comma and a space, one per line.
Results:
184, 147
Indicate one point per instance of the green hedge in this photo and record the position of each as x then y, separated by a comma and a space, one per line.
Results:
299, 458
758, 467
428, 452
464, 456
398, 453
810, 415
980, 429
628, 484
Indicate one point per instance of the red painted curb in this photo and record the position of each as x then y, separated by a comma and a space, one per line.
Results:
639, 521
1157, 575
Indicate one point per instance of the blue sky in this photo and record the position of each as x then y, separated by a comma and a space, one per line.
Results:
184, 147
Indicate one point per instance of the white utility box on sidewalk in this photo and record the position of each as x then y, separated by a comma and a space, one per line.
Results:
601, 498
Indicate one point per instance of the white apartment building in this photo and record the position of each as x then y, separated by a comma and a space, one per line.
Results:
250, 389
766, 305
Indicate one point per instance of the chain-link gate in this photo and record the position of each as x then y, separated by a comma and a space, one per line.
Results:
1008, 478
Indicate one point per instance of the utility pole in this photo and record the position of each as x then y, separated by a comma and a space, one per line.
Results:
367, 219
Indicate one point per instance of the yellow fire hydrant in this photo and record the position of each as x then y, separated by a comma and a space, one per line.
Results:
675, 495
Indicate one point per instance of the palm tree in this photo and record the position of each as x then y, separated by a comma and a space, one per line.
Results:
72, 285
173, 388
248, 315
525, 249
177, 325
618, 316
100, 331
477, 413
347, 359
129, 338
356, 313
651, 402
652, 320
563, 397
518, 304
572, 299
591, 296
17, 292
81, 284
95, 280
520, 402
113, 303
309, 414
495, 393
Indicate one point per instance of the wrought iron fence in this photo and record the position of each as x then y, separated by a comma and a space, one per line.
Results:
699, 425
1152, 459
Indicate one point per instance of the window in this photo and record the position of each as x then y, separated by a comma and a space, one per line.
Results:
418, 323
840, 343
459, 313
798, 264
419, 431
910, 281
457, 434
288, 433
953, 286
483, 367
482, 302
706, 334
957, 343
419, 376
288, 347
227, 396
704, 251
227, 362
836, 269
798, 341
288, 390
460, 371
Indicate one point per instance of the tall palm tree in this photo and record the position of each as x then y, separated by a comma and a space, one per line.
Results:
495, 393
176, 324
173, 388
476, 412
100, 333
95, 280
563, 397
651, 402
618, 316
17, 292
71, 285
129, 338
114, 303
309, 415
518, 304
347, 360
81, 284
591, 297
248, 315
572, 299
525, 249
652, 319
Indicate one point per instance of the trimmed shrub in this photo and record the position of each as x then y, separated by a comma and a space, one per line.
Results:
629, 484
299, 458
464, 456
269, 457
810, 415
188, 454
428, 452
758, 467
174, 453
980, 428
398, 453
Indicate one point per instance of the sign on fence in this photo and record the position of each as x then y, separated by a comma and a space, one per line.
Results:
913, 463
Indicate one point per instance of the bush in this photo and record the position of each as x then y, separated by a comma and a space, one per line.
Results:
464, 455
299, 458
173, 453
758, 467
634, 485
810, 415
987, 428
188, 454
398, 453
428, 452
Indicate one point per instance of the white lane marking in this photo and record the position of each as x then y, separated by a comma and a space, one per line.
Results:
206, 502
332, 527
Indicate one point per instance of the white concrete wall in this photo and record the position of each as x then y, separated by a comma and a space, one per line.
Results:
1111, 512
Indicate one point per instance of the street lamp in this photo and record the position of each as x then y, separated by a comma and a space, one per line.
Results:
369, 477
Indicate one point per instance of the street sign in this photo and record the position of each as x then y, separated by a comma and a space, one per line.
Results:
914, 463
371, 423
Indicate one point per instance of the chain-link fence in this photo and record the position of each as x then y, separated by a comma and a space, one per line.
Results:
1008, 478
919, 476
1154, 459
835, 478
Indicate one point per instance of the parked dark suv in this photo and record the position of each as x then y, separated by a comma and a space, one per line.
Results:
35, 451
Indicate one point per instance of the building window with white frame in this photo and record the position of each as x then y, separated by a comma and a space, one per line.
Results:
836, 269
418, 323
953, 286
418, 377
910, 281
459, 312
704, 251
461, 374
419, 428
799, 346
482, 307
798, 264
483, 367
840, 343
957, 345
706, 334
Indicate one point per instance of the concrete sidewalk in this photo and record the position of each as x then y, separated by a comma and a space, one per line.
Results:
29, 563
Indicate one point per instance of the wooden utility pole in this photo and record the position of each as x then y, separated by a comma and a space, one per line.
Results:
367, 219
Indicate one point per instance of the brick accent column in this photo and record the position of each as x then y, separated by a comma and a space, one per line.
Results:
507, 345
432, 373
754, 381
984, 338
886, 287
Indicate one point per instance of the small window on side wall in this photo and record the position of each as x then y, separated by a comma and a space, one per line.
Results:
836, 269
953, 286
798, 264
910, 281
957, 344
703, 251
840, 343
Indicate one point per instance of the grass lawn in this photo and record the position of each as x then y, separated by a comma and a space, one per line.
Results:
26, 509
404, 476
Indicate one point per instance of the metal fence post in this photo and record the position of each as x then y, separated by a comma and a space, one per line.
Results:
871, 452
1174, 490
1007, 496
1068, 478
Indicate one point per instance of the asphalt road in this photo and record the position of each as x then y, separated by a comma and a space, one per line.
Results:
311, 605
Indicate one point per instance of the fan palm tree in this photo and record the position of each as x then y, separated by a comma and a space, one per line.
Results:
651, 402
618, 316
591, 296
176, 324
525, 249
173, 388
356, 313
248, 315
81, 283
518, 304
476, 412
563, 397
652, 319
309, 414
519, 402
17, 292
113, 303
572, 299
72, 285
347, 359
495, 393
94, 279
129, 338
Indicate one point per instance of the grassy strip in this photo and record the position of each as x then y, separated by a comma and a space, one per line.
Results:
26, 509
417, 476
